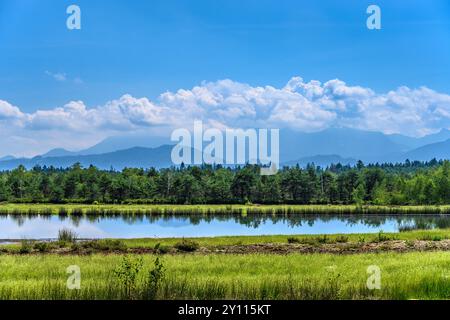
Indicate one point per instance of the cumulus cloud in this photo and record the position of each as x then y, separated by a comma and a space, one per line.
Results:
299, 105
8, 111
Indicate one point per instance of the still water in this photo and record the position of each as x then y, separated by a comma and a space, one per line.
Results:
46, 227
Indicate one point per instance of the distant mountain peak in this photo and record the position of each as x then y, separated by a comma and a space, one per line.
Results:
58, 152
8, 157
116, 143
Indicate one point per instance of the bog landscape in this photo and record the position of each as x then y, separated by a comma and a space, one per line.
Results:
177, 155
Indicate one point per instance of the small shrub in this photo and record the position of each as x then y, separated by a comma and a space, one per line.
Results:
110, 245
429, 237
117, 245
342, 239
187, 245
26, 246
306, 240
381, 237
155, 277
322, 239
127, 274
103, 245
76, 246
161, 249
42, 246
67, 235
293, 240
63, 244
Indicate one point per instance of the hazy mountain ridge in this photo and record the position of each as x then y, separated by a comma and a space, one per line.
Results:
414, 143
438, 150
133, 157
322, 148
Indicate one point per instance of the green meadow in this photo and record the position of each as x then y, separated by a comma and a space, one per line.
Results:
110, 269
317, 276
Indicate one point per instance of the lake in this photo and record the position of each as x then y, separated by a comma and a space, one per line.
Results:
91, 227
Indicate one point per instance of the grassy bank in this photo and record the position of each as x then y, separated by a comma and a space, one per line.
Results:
403, 276
418, 240
80, 209
280, 239
207, 275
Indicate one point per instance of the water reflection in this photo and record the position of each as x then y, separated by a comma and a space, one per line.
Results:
170, 225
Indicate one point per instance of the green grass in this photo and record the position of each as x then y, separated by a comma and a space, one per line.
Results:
319, 276
426, 235
79, 209
416, 275
247, 240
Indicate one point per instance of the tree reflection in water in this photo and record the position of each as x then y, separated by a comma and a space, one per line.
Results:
253, 221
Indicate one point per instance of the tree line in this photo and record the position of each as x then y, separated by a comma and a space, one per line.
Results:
409, 183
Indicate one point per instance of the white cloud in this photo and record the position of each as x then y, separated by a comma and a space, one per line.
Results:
8, 111
61, 77
304, 106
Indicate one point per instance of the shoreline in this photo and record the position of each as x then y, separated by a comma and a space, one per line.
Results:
410, 241
199, 209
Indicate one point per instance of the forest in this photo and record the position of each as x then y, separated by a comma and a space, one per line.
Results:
409, 183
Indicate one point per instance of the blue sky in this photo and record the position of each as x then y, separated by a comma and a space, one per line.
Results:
145, 48
130, 52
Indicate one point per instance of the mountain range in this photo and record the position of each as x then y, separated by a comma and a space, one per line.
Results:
322, 148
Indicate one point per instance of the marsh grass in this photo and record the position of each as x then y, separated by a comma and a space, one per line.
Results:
187, 245
383, 237
280, 239
318, 276
166, 245
430, 237
342, 239
104, 245
143, 210
318, 240
67, 236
